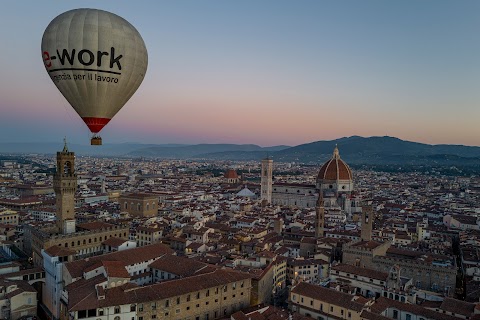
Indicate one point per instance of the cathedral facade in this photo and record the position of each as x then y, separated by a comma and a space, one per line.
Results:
334, 182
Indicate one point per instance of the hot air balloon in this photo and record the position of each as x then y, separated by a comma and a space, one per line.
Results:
97, 60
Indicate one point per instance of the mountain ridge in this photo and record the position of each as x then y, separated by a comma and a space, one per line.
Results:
354, 150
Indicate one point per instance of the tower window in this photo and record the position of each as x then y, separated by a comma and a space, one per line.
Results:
67, 167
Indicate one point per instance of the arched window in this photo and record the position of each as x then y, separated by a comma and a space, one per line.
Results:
67, 167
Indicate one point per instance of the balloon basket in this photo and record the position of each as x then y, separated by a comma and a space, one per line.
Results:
96, 141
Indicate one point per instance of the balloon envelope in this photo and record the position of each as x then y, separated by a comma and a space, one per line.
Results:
97, 60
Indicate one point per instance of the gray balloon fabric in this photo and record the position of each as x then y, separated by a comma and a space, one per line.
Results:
97, 60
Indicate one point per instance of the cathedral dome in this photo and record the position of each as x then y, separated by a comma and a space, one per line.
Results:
231, 174
334, 169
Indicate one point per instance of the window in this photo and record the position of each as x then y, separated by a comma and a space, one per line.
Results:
154, 306
140, 307
117, 309
133, 307
395, 314
178, 300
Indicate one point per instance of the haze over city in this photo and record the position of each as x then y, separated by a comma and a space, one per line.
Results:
270, 72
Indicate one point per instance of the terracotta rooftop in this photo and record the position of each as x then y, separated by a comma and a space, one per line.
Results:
85, 298
96, 225
128, 257
331, 296
57, 251
181, 266
364, 272
115, 269
367, 244
458, 306
382, 304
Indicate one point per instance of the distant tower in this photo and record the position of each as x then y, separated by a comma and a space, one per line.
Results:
367, 222
266, 181
278, 225
320, 217
103, 188
65, 185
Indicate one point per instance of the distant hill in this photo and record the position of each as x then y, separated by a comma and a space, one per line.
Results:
171, 151
354, 150
120, 149
376, 150
204, 150
357, 150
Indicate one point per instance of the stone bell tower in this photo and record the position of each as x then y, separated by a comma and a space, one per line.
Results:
266, 180
367, 222
65, 186
320, 217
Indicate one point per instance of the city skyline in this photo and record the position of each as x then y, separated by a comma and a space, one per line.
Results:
267, 73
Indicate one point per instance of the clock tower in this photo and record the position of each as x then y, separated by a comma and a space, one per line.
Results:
65, 186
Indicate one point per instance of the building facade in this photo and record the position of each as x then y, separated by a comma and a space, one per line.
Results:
139, 204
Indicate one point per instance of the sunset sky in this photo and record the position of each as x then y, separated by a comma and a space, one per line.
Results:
263, 72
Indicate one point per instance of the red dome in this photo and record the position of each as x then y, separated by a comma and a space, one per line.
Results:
231, 174
335, 169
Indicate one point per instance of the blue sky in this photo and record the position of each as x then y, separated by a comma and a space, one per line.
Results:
264, 72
